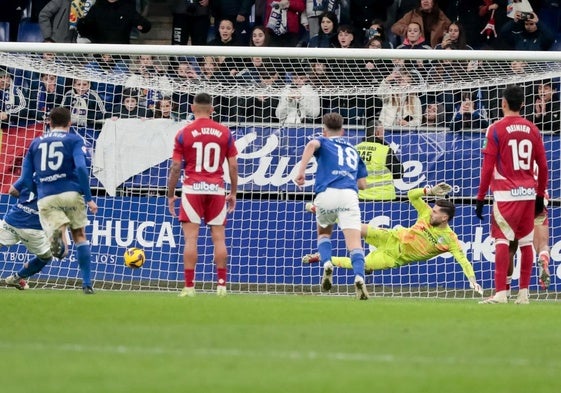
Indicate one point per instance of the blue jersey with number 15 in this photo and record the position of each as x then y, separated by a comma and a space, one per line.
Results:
339, 164
53, 157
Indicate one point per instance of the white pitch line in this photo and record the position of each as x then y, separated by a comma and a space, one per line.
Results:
550, 363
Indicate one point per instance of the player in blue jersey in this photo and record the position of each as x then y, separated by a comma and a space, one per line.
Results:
21, 224
57, 162
340, 173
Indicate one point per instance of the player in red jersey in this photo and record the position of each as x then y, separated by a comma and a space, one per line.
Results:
201, 148
511, 147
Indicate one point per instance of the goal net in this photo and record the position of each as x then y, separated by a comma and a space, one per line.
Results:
128, 102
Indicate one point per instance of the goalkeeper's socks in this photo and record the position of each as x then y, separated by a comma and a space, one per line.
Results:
33, 266
189, 277
84, 256
221, 275
357, 260
324, 248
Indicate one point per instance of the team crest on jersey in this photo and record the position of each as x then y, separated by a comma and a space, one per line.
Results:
440, 240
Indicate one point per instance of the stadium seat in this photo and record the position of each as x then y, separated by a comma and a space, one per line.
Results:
29, 31
4, 31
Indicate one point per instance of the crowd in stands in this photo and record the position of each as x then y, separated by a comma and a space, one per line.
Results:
290, 90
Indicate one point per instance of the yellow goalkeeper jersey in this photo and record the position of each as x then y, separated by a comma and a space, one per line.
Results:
423, 241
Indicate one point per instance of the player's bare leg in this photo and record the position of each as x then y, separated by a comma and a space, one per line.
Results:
190, 255
220, 257
541, 244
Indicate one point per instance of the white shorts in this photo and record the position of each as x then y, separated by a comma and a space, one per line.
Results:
67, 208
338, 206
34, 240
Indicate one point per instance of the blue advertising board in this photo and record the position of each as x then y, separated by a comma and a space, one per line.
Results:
268, 158
266, 240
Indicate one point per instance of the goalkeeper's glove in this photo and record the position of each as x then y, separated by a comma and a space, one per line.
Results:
479, 209
539, 205
440, 189
475, 286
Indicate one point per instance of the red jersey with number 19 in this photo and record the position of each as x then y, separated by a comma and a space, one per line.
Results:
512, 147
203, 146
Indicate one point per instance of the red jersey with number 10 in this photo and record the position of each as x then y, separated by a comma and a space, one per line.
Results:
513, 146
203, 146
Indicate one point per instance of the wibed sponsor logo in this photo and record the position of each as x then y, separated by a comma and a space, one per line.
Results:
523, 191
204, 186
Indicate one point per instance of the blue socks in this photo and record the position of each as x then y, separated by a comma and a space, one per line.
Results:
33, 266
84, 256
324, 249
357, 260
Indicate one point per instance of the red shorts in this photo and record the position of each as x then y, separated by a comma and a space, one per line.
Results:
198, 207
513, 220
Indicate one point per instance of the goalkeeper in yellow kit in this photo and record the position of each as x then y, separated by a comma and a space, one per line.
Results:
428, 237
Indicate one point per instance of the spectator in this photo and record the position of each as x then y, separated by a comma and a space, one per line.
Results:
466, 12
382, 164
363, 13
225, 36
469, 114
260, 36
345, 37
434, 115
129, 107
414, 38
429, 17
377, 30
254, 72
399, 109
299, 101
283, 21
227, 66
165, 109
186, 72
327, 32
54, 22
454, 38
108, 67
13, 105
236, 11
261, 107
85, 105
492, 14
527, 34
312, 16
191, 21
111, 22
149, 70
48, 97
545, 111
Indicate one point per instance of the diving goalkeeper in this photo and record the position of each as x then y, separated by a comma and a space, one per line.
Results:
429, 237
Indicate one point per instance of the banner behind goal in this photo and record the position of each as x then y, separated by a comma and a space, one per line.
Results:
129, 101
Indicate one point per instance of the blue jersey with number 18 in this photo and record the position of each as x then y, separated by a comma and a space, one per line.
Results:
339, 164
53, 157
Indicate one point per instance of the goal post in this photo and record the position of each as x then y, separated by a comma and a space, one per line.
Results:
129, 101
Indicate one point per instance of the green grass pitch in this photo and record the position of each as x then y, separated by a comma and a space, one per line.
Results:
63, 341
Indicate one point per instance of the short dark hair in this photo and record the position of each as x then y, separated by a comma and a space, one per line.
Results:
447, 207
514, 96
130, 92
203, 99
333, 121
59, 117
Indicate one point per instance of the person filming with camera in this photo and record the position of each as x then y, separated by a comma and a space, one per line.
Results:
526, 32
